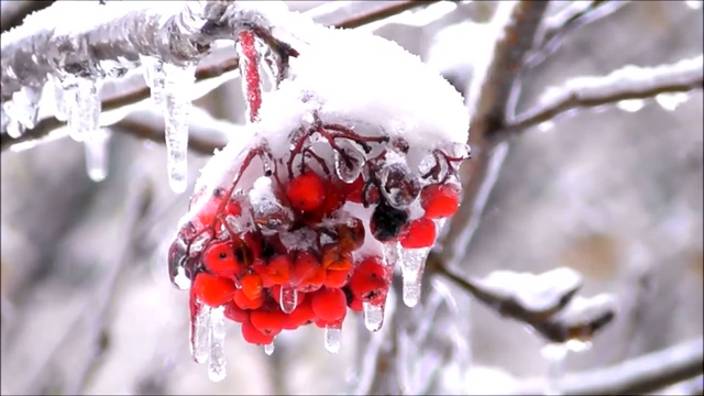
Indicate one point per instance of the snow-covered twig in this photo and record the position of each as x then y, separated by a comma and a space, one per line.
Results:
546, 302
488, 97
573, 16
630, 82
645, 373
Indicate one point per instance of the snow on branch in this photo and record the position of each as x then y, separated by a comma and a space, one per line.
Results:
547, 302
645, 373
630, 82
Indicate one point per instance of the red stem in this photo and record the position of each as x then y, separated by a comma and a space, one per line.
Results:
250, 73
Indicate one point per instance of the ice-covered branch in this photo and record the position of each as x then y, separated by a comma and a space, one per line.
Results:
547, 302
645, 373
630, 82
488, 97
571, 17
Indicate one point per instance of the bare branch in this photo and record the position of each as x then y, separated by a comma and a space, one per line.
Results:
642, 374
630, 82
381, 12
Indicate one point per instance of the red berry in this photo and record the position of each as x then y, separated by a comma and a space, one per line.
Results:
252, 286
440, 200
356, 304
308, 275
303, 314
219, 258
329, 304
335, 278
213, 290
245, 302
276, 272
306, 192
233, 208
420, 233
353, 191
254, 336
235, 313
268, 322
370, 281
335, 324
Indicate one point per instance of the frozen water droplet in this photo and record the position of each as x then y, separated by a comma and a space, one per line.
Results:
301, 239
14, 129
84, 108
333, 337
399, 185
631, 105
200, 333
22, 110
671, 101
177, 263
216, 345
349, 160
577, 345
288, 299
373, 316
412, 266
64, 95
199, 243
267, 211
178, 84
96, 152
269, 348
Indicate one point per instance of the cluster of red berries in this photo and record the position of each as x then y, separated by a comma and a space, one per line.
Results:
268, 286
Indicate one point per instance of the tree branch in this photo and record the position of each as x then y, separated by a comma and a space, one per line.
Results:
630, 82
208, 69
553, 319
488, 97
635, 376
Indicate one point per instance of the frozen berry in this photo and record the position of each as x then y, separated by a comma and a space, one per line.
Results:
306, 192
440, 200
329, 304
213, 290
233, 208
337, 278
387, 221
268, 322
235, 313
219, 258
370, 281
353, 191
209, 211
252, 286
308, 274
254, 336
350, 234
303, 314
275, 272
336, 258
420, 233
245, 302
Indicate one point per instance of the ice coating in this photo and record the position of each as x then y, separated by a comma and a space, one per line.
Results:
347, 172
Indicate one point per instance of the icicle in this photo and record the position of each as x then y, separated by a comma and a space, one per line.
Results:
22, 110
269, 348
200, 333
178, 83
555, 355
96, 152
373, 316
84, 108
216, 345
154, 77
412, 266
333, 336
64, 96
288, 299
177, 264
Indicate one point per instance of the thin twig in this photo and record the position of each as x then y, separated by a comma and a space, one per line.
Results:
645, 373
382, 12
627, 83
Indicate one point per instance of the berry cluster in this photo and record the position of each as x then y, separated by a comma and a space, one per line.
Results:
287, 250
